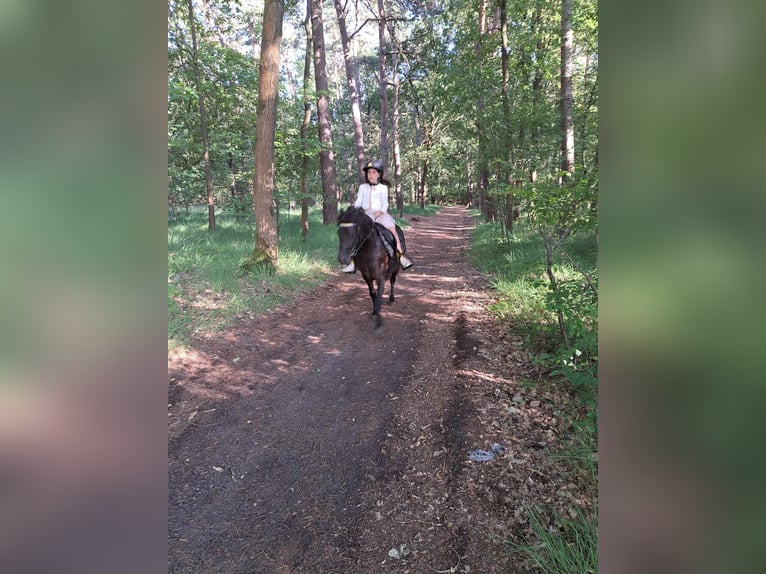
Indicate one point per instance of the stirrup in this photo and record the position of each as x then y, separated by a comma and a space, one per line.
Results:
405, 262
350, 268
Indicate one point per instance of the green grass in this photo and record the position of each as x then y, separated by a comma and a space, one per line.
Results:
529, 307
517, 266
206, 286
416, 210
564, 545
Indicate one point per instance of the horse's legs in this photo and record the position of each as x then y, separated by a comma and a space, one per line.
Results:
391, 294
378, 296
393, 280
377, 301
374, 295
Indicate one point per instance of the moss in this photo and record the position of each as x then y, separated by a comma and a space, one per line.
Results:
260, 262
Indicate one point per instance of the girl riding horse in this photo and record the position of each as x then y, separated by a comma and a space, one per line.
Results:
372, 196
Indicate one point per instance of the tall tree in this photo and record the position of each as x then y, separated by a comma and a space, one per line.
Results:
382, 83
268, 90
507, 141
481, 132
326, 159
395, 124
567, 100
203, 121
589, 96
419, 195
305, 126
537, 88
352, 83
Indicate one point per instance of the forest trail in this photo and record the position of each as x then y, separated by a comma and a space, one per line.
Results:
302, 442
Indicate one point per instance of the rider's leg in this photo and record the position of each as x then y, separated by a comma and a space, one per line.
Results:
396, 237
404, 261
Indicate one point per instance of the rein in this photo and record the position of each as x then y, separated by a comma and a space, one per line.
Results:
355, 250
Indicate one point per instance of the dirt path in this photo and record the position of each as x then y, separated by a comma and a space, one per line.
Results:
301, 441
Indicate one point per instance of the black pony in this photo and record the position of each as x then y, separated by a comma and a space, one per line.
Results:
359, 239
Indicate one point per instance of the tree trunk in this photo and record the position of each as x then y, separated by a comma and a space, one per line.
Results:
305, 127
266, 120
352, 81
537, 91
382, 83
235, 188
481, 136
395, 126
326, 159
419, 146
423, 191
202, 122
483, 183
426, 167
567, 122
507, 143
482, 17
549, 242
468, 181
589, 96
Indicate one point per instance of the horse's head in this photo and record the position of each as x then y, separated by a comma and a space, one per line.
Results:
351, 215
353, 226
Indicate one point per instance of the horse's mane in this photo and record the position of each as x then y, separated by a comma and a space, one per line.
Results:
353, 215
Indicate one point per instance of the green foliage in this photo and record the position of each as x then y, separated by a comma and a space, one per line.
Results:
529, 305
578, 362
229, 82
451, 81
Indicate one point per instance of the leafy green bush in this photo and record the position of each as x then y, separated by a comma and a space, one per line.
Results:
577, 360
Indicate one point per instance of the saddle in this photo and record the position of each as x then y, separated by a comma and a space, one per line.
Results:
388, 238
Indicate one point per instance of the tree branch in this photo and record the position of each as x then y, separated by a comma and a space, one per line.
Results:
578, 268
376, 20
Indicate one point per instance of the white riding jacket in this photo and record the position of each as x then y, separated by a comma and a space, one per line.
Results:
374, 198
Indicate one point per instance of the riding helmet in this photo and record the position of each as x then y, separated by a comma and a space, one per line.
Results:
375, 164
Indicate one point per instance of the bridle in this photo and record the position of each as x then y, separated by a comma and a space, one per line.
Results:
356, 249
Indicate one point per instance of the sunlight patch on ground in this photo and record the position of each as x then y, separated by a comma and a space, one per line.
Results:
486, 377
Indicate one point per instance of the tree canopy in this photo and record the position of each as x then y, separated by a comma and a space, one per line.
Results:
471, 128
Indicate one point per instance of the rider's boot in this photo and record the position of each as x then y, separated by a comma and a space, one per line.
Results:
350, 268
404, 261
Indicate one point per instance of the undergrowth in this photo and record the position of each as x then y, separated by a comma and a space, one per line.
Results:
569, 548
529, 306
